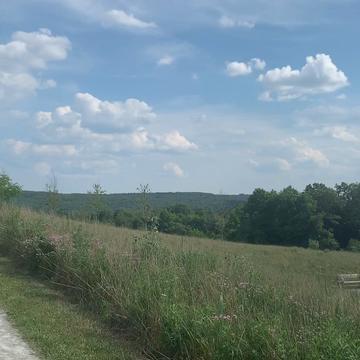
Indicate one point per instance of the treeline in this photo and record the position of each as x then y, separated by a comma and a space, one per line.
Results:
177, 219
319, 217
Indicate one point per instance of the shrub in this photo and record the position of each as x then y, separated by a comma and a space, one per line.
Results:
327, 241
314, 244
354, 245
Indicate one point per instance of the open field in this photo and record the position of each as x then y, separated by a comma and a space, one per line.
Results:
191, 298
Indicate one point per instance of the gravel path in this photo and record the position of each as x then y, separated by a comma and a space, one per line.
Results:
12, 347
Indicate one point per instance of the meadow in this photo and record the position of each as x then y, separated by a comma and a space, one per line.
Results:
193, 298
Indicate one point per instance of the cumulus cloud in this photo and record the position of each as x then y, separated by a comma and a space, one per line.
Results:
318, 76
21, 147
230, 22
174, 140
43, 119
119, 115
304, 152
92, 134
171, 141
166, 60
337, 132
26, 53
121, 18
236, 68
283, 164
174, 169
16, 86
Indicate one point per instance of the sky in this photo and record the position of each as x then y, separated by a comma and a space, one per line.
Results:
220, 96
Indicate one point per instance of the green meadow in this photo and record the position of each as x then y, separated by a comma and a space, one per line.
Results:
191, 298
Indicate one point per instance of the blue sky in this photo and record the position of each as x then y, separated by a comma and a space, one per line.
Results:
203, 95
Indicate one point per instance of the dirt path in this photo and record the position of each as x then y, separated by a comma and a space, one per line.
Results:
12, 347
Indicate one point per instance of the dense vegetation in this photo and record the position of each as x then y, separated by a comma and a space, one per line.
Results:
77, 203
319, 217
191, 298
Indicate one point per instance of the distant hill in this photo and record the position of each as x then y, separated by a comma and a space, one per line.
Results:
74, 202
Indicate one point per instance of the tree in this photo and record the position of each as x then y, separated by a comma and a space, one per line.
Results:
284, 218
53, 199
98, 208
8, 189
328, 204
144, 204
349, 195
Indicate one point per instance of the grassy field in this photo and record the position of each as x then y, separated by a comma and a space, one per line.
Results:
191, 298
55, 328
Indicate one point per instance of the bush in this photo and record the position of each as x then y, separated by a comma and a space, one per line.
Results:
354, 245
314, 244
328, 242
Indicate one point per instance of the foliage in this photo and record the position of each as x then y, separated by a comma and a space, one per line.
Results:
354, 245
144, 205
284, 218
73, 203
8, 189
314, 244
318, 215
97, 207
53, 200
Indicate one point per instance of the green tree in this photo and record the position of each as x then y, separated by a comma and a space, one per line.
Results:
8, 189
349, 195
284, 218
144, 204
99, 210
53, 198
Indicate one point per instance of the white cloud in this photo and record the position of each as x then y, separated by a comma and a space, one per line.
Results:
32, 50
116, 115
236, 68
318, 76
257, 64
43, 119
24, 54
121, 18
16, 86
174, 168
341, 97
283, 164
172, 141
166, 60
21, 147
175, 141
338, 132
229, 22
305, 153
86, 137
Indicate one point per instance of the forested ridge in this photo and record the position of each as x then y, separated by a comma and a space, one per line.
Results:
38, 200
318, 217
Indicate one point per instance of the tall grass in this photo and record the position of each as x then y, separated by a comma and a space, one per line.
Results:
187, 299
